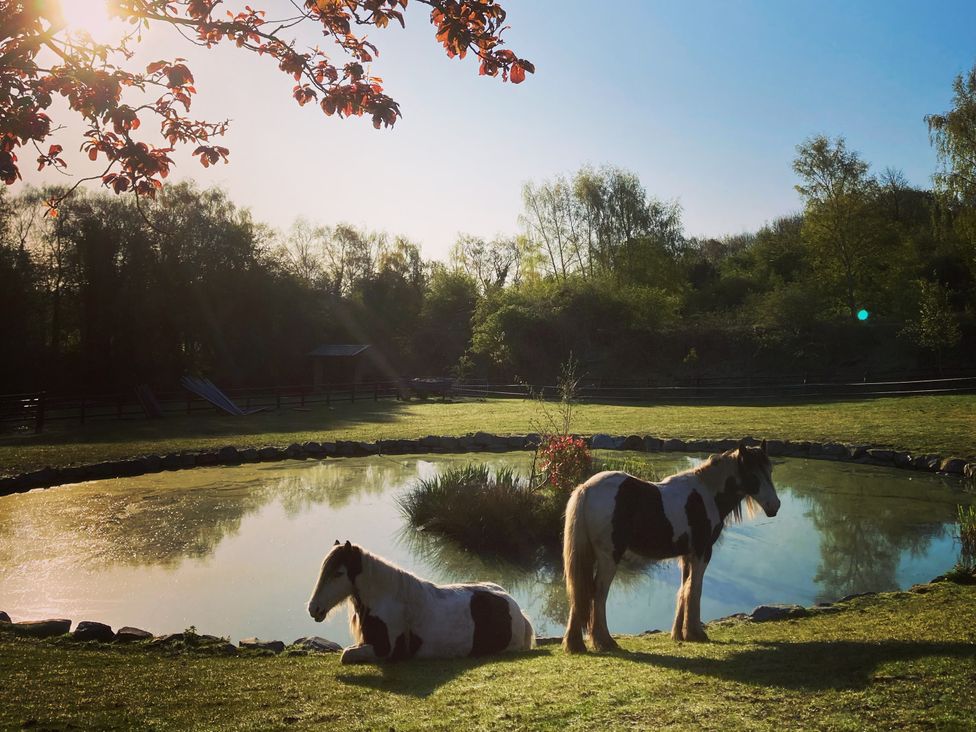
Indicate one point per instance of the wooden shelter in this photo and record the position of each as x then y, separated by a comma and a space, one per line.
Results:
338, 364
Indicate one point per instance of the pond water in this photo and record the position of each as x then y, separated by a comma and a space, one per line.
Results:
234, 551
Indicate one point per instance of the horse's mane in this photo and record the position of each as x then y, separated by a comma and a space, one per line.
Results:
734, 516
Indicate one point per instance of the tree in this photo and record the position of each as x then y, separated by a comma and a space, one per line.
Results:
492, 263
954, 135
837, 221
42, 58
935, 327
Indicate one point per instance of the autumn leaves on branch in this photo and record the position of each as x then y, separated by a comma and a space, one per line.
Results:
42, 58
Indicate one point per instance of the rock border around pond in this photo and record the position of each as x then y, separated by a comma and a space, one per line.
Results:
89, 631
476, 442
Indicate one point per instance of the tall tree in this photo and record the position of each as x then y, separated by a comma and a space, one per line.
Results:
837, 221
954, 135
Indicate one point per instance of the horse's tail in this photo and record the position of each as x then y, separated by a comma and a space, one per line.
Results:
578, 563
529, 633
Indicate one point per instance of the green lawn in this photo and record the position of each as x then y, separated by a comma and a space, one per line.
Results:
939, 424
900, 660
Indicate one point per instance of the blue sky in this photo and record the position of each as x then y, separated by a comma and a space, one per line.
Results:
706, 101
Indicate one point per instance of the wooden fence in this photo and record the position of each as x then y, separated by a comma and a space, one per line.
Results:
35, 411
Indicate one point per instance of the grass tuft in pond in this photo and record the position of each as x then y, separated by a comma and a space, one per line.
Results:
484, 510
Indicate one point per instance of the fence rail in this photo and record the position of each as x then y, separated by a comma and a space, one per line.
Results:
38, 409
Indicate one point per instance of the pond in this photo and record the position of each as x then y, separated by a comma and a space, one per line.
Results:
234, 551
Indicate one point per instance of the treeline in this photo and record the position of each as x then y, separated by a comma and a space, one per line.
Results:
873, 276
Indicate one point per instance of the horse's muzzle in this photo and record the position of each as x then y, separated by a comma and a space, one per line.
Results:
771, 510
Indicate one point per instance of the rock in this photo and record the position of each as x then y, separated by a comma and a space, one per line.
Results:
774, 447
172, 461
673, 445
132, 635
970, 470
270, 453
4, 618
168, 639
856, 452
833, 449
816, 450
601, 442
313, 448
933, 462
253, 644
249, 455
653, 631
316, 644
765, 613
89, 630
228, 455
952, 465
699, 445
921, 589
7, 486
42, 628
295, 451
43, 478
920, 462
634, 443
881, 455
903, 460
516, 442
207, 458
853, 595
228, 649
652, 444
448, 444
466, 443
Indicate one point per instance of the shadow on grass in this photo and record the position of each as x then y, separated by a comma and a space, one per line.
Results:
811, 665
422, 678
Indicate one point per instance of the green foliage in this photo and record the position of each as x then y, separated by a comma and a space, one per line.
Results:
966, 535
954, 135
935, 327
487, 511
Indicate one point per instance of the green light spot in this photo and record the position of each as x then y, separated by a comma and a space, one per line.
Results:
862, 314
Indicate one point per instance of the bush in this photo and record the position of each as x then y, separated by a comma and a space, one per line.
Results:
486, 512
565, 462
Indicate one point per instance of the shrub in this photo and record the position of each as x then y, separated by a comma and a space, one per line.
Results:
486, 511
564, 461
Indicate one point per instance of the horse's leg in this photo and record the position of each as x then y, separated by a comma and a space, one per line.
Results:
693, 629
606, 568
363, 653
681, 604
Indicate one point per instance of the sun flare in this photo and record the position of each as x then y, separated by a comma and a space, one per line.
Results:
89, 16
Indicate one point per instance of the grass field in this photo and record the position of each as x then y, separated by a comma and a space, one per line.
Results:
900, 660
938, 424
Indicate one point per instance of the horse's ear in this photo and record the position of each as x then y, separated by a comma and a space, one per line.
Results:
742, 445
763, 446
348, 544
336, 543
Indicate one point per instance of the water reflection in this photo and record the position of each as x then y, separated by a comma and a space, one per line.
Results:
170, 550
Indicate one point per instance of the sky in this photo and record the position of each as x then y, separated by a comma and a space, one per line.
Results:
705, 101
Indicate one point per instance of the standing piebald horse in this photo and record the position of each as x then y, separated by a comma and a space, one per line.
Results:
682, 516
394, 615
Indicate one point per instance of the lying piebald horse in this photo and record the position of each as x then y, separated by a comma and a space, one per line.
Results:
682, 516
394, 615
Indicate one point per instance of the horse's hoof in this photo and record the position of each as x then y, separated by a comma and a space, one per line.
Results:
606, 646
574, 645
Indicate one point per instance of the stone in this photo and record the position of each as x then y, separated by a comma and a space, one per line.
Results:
89, 630
833, 449
881, 455
854, 595
207, 458
448, 444
652, 631
316, 644
673, 445
765, 613
228, 455
933, 462
254, 644
517, 442
856, 452
903, 460
313, 448
816, 450
4, 618
634, 443
652, 444
970, 470
129, 634
952, 465
532, 440
7, 486
249, 455
920, 462
42, 478
270, 453
168, 639
774, 447
330, 449
42, 628
172, 462
228, 649
466, 443
295, 451
601, 442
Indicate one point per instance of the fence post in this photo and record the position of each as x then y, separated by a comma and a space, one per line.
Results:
39, 417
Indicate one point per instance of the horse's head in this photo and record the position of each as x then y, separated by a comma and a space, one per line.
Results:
756, 476
336, 579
